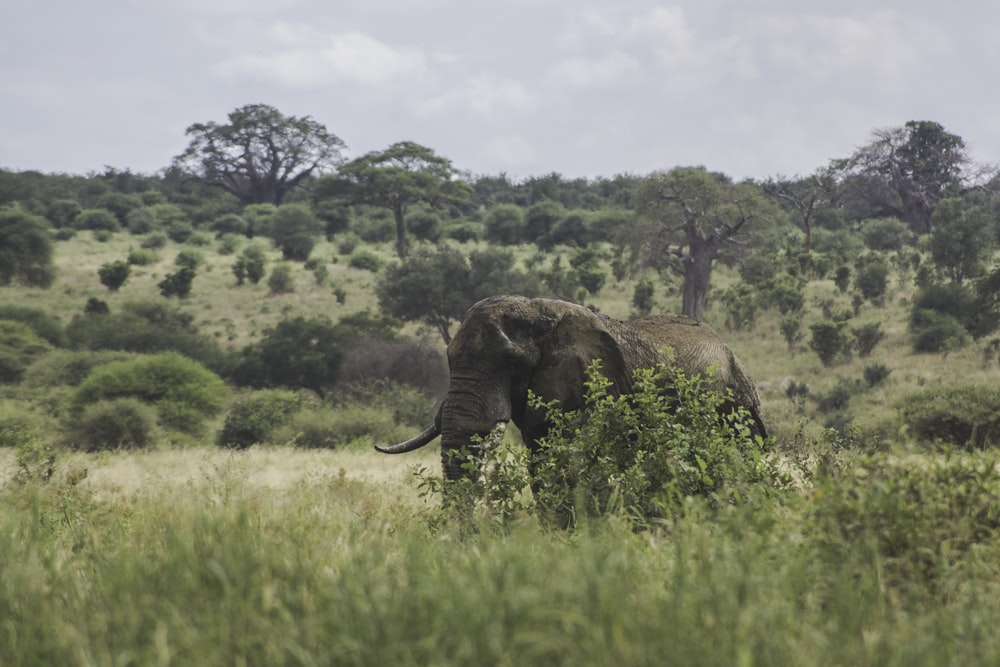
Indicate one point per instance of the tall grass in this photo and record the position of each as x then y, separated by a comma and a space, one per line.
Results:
330, 570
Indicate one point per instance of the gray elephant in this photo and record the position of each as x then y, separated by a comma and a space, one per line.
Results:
509, 345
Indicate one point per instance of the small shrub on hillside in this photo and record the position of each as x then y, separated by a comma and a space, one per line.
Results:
114, 274
866, 337
347, 243
365, 260
179, 231
464, 232
68, 367
886, 234
586, 263
934, 331
377, 227
875, 374
250, 265
228, 244
229, 224
872, 277
253, 419
842, 278
425, 225
962, 415
838, 399
192, 259
740, 302
281, 280
829, 341
177, 283
114, 424
791, 329
18, 426
97, 219
142, 257
155, 241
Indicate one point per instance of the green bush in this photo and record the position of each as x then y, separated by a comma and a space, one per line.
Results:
504, 224
68, 367
828, 341
886, 234
250, 265
365, 260
43, 323
97, 219
916, 521
184, 392
425, 225
963, 415
19, 345
281, 280
155, 241
875, 374
177, 283
464, 232
114, 274
934, 331
644, 457
191, 259
253, 418
866, 337
114, 424
142, 257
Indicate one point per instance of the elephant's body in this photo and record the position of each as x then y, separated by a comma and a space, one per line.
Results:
508, 345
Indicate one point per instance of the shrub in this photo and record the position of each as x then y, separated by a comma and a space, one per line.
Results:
586, 263
875, 374
866, 337
253, 418
184, 392
19, 345
643, 456
97, 219
828, 340
413, 363
228, 244
886, 234
376, 227
347, 244
504, 224
464, 232
114, 424
230, 223
872, 278
425, 225
43, 323
250, 265
791, 329
642, 297
963, 415
281, 281
179, 231
365, 260
142, 257
68, 367
842, 278
740, 302
25, 248
114, 274
935, 332
155, 241
192, 259
177, 283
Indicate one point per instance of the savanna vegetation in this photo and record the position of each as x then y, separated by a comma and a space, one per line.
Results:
195, 364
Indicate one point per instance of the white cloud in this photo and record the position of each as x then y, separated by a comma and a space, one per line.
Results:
482, 94
297, 55
613, 69
666, 30
511, 151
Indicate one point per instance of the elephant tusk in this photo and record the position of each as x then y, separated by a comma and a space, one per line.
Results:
415, 442
495, 437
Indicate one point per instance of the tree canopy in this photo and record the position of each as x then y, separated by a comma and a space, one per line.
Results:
687, 218
25, 248
260, 155
402, 175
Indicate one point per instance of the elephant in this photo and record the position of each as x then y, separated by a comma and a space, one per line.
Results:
508, 345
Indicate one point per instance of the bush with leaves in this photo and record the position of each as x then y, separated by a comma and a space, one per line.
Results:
587, 264
250, 265
97, 219
25, 248
872, 277
253, 418
42, 322
504, 224
643, 456
866, 337
642, 297
829, 341
281, 280
935, 331
183, 392
886, 234
114, 274
114, 424
146, 327
177, 283
19, 346
365, 260
961, 415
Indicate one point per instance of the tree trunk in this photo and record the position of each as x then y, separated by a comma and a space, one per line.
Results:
697, 273
401, 248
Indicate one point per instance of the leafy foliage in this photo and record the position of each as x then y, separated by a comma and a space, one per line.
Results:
253, 418
260, 156
184, 392
177, 283
114, 274
25, 249
19, 345
961, 415
114, 424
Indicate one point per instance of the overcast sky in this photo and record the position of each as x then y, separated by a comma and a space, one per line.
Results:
585, 88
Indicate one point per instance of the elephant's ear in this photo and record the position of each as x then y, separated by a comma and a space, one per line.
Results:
569, 349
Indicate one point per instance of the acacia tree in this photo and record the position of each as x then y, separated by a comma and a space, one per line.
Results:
905, 171
805, 196
404, 174
689, 217
260, 155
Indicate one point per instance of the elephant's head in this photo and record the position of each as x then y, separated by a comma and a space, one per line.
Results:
510, 345
506, 346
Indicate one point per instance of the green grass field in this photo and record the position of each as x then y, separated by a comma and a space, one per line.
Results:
886, 552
